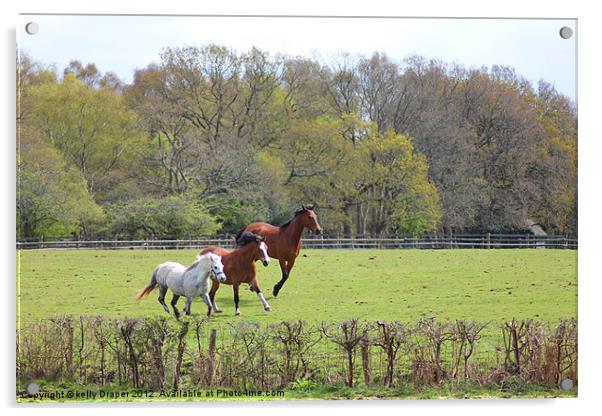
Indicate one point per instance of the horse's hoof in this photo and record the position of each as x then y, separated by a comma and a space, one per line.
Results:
268, 309
217, 311
237, 313
275, 291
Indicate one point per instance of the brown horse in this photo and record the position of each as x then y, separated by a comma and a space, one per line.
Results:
239, 266
284, 242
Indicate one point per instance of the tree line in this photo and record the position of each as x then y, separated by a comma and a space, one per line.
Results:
209, 139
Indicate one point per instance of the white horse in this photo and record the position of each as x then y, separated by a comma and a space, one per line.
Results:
189, 282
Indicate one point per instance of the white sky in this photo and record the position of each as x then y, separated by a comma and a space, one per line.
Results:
123, 43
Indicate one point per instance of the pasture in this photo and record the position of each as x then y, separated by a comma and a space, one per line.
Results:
329, 285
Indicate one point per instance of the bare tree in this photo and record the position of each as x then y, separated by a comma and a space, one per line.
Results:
346, 335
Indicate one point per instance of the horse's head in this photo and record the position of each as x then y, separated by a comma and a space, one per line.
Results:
261, 253
217, 268
310, 219
263, 250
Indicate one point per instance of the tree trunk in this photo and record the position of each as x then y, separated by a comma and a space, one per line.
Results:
350, 364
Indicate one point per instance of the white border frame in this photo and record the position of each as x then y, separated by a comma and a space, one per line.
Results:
589, 94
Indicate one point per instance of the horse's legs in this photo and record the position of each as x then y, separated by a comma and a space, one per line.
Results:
278, 285
188, 305
235, 288
162, 292
255, 288
285, 266
174, 301
207, 301
214, 287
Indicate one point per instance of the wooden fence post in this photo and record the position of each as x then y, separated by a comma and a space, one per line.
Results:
180, 355
366, 359
210, 367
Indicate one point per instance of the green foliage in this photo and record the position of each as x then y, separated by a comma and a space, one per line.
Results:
92, 128
234, 214
380, 148
52, 198
397, 188
556, 167
168, 217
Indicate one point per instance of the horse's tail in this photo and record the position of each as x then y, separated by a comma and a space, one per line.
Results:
149, 288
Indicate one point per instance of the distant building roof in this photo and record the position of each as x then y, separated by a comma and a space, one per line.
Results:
535, 229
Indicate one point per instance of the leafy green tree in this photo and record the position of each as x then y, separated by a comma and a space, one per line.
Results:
29, 74
555, 169
320, 166
396, 193
52, 198
92, 128
168, 217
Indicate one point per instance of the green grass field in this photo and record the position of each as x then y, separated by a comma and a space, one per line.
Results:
331, 285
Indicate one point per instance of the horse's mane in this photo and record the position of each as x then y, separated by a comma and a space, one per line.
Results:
299, 211
239, 234
197, 261
246, 237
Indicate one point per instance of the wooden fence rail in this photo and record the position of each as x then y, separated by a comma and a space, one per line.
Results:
482, 241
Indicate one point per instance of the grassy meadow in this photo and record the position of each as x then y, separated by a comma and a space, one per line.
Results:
325, 285
331, 285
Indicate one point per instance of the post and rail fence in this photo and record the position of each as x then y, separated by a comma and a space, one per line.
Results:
455, 241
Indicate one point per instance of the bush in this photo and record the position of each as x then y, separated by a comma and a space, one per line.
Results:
157, 353
169, 217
